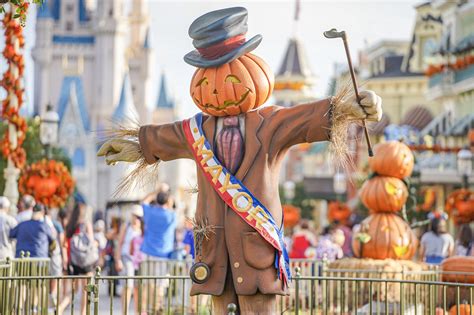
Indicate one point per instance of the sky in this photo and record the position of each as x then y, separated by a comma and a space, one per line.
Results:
365, 22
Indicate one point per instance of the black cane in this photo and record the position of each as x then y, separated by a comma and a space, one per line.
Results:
333, 33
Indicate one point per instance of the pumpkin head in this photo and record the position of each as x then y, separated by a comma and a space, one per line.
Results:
389, 236
392, 158
464, 309
232, 88
384, 194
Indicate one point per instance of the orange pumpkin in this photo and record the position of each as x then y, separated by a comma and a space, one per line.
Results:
338, 212
388, 236
462, 266
232, 88
384, 194
291, 216
392, 158
464, 309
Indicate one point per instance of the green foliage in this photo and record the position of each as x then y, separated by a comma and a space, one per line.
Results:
301, 200
35, 151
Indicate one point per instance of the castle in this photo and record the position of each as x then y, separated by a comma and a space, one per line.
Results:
93, 65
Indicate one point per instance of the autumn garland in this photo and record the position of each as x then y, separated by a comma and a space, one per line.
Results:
48, 181
11, 147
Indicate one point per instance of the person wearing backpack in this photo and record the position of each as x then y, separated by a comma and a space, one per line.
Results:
82, 252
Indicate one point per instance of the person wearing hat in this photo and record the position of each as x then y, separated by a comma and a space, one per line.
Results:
237, 264
123, 252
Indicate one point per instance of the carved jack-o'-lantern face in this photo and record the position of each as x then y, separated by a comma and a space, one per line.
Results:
233, 88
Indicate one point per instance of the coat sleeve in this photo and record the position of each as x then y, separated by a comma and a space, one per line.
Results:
163, 142
299, 124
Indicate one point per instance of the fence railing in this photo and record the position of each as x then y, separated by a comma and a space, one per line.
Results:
162, 287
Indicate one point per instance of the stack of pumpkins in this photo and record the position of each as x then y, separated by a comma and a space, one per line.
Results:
384, 234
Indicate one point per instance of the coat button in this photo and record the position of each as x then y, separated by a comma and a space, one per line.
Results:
240, 280
236, 265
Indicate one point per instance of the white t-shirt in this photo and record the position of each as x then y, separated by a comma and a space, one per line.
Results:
437, 245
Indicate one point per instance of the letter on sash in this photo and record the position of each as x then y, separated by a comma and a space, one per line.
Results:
215, 172
235, 201
228, 185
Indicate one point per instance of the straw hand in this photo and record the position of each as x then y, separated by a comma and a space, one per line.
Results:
120, 150
369, 107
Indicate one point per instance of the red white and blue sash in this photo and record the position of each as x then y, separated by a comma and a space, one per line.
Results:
236, 195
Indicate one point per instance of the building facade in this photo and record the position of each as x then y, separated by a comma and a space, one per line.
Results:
92, 64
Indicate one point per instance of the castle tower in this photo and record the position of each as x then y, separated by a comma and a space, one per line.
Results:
294, 80
110, 33
293, 85
140, 57
109, 178
80, 57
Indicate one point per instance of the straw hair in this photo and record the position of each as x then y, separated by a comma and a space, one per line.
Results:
339, 130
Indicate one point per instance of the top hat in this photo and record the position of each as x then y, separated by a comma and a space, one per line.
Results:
219, 38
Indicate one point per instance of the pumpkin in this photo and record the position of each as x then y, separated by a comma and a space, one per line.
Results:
464, 309
389, 237
384, 194
392, 158
291, 216
339, 212
462, 265
232, 88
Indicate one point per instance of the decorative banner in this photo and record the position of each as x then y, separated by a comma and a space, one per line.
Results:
12, 82
48, 181
236, 195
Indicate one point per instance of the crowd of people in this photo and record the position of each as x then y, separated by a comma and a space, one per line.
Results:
76, 244
152, 231
436, 243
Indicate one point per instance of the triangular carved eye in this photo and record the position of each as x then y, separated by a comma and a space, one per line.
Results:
203, 81
232, 78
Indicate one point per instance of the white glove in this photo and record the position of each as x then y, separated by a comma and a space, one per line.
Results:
120, 150
370, 107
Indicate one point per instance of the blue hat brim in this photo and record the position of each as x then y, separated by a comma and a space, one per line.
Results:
194, 58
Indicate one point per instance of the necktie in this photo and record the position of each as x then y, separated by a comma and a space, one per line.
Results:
230, 144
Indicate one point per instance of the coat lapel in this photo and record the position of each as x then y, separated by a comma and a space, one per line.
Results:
209, 128
253, 122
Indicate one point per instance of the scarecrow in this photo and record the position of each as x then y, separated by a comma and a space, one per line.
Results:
238, 147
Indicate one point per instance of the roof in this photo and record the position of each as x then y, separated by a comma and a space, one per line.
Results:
125, 110
164, 100
439, 125
295, 62
418, 117
393, 68
72, 94
146, 42
461, 126
378, 128
52, 9
44, 11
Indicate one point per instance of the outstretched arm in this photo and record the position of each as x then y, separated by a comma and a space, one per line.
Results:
150, 143
321, 120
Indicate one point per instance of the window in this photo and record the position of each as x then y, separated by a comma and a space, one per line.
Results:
69, 7
69, 26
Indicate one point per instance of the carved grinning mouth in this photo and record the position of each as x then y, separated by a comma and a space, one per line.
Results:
226, 103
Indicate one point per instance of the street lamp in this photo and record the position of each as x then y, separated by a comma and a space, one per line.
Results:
464, 158
49, 129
